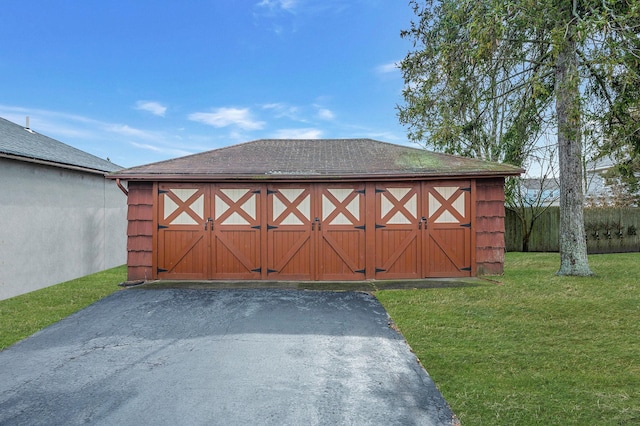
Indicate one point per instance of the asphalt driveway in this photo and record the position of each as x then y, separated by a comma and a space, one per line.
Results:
228, 357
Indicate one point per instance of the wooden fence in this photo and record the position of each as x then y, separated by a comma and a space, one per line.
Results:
609, 230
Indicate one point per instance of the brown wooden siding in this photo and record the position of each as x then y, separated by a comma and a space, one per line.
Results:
487, 242
140, 231
490, 226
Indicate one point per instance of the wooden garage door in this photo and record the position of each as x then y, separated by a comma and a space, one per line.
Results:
183, 239
448, 228
341, 228
235, 232
208, 231
290, 239
398, 222
316, 232
423, 230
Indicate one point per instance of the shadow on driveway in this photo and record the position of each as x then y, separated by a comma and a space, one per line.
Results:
247, 356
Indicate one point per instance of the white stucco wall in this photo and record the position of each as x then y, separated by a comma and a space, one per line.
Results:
56, 225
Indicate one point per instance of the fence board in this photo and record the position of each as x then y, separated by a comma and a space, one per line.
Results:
608, 229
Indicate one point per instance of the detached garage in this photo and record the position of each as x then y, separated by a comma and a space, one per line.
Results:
339, 209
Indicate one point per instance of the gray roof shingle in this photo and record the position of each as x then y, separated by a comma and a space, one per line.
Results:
18, 141
315, 159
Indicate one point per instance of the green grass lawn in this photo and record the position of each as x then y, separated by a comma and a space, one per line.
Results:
23, 315
530, 349
534, 348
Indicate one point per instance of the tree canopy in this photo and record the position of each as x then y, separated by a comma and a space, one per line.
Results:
487, 78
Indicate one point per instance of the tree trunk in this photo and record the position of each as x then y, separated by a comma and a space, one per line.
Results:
573, 244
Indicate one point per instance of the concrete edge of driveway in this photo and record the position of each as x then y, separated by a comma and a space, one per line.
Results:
366, 286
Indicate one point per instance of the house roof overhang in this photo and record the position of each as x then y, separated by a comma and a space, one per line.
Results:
52, 164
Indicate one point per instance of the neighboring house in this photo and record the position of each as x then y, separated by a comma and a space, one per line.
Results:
540, 192
597, 192
60, 218
332, 209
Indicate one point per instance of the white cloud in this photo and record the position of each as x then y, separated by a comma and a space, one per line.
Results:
304, 114
125, 130
274, 105
388, 68
277, 16
154, 108
162, 150
223, 117
281, 110
287, 5
284, 17
325, 114
308, 133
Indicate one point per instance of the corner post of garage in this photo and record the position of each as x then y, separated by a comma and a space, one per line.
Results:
154, 224
474, 230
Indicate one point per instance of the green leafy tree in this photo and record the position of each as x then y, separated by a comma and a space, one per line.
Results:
613, 60
486, 77
468, 92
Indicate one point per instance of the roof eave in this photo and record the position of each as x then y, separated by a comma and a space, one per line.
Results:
180, 177
53, 164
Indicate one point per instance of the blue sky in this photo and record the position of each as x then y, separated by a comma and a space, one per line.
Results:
140, 81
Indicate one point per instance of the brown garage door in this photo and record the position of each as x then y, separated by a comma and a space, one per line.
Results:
182, 238
423, 230
314, 231
208, 231
447, 228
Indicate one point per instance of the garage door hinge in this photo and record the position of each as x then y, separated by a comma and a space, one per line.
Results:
380, 270
271, 191
270, 270
468, 268
256, 227
466, 225
361, 271
271, 227
380, 226
162, 191
380, 190
360, 191
466, 189
257, 191
258, 270
162, 226
162, 270
361, 227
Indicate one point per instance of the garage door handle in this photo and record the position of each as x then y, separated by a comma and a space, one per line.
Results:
422, 220
205, 224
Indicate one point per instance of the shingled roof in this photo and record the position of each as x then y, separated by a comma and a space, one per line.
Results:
20, 143
313, 159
